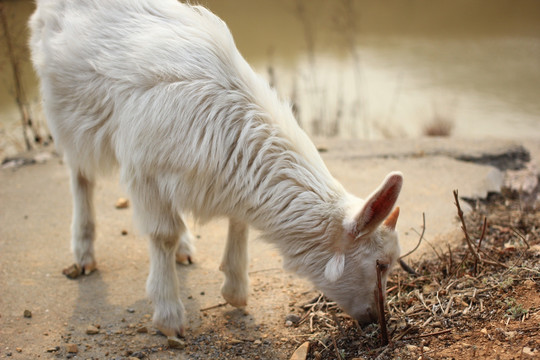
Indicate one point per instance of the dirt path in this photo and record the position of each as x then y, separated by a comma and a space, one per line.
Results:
35, 212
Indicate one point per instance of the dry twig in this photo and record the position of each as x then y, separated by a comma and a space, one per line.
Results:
380, 301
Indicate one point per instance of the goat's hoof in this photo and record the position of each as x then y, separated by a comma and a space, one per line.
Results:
75, 270
89, 268
72, 271
184, 259
234, 299
172, 332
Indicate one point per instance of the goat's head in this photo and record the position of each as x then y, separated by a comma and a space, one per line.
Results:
369, 234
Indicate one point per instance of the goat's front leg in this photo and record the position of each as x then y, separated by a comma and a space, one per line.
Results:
163, 286
234, 265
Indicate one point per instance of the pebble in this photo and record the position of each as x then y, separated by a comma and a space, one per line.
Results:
411, 348
175, 343
122, 203
53, 349
288, 323
301, 352
27, 314
130, 310
124, 232
18, 349
142, 330
293, 318
72, 348
92, 330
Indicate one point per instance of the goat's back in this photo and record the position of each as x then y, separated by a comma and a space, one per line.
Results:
159, 88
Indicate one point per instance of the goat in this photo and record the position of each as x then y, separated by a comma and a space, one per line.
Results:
159, 90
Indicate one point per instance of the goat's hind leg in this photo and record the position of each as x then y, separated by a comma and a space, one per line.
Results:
83, 224
234, 265
186, 250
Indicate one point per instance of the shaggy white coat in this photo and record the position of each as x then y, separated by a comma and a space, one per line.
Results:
158, 89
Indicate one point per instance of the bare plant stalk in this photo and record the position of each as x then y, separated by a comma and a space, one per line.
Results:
19, 93
469, 242
380, 303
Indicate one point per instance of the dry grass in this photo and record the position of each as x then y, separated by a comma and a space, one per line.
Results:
439, 126
457, 304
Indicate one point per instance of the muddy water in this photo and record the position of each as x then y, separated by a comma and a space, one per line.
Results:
372, 69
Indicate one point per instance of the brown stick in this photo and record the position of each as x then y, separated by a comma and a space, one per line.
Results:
464, 227
428, 335
380, 301
469, 242
214, 306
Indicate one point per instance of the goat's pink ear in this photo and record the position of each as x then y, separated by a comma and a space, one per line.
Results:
378, 206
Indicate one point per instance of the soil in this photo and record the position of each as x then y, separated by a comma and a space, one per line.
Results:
449, 309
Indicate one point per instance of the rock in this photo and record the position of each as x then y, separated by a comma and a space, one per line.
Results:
411, 348
484, 331
301, 352
18, 349
257, 342
122, 203
288, 323
142, 330
124, 232
27, 314
175, 343
92, 330
53, 349
529, 352
130, 310
72, 348
293, 318
235, 341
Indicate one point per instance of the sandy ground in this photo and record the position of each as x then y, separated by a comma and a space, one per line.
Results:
35, 213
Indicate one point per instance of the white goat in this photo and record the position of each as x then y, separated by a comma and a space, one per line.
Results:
159, 89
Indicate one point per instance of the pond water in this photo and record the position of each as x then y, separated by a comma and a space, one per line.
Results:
373, 69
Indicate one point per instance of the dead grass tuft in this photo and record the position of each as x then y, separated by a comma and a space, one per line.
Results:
456, 305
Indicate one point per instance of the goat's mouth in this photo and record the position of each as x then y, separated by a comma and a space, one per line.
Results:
367, 318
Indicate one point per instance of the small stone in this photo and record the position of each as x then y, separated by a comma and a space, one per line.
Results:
124, 232
92, 330
72, 348
484, 331
236, 341
175, 343
411, 348
288, 323
27, 314
122, 203
257, 342
53, 349
18, 349
293, 318
142, 330
301, 352
529, 351
130, 310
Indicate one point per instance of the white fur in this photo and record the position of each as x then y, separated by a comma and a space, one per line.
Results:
158, 89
